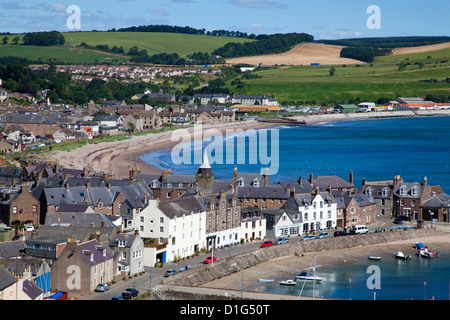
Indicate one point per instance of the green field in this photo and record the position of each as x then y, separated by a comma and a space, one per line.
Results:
153, 42
65, 54
365, 81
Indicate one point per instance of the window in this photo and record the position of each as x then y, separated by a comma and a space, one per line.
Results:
14, 210
34, 208
161, 219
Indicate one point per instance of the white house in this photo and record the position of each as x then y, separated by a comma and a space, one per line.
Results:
302, 214
172, 229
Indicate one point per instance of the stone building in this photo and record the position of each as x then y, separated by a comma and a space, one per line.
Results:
18, 205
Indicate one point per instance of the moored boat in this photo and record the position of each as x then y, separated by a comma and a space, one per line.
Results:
307, 276
425, 253
401, 255
288, 283
374, 258
266, 280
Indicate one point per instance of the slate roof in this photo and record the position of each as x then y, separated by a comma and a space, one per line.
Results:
93, 247
334, 181
440, 201
78, 220
11, 249
82, 233
127, 237
305, 187
6, 279
180, 206
31, 289
269, 192
28, 119
409, 188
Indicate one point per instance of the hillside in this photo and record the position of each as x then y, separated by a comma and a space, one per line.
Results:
384, 78
152, 42
302, 54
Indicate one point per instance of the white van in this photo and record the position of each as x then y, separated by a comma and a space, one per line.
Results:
359, 229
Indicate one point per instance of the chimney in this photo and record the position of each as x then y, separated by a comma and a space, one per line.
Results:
329, 189
88, 185
266, 177
351, 177
108, 184
85, 172
300, 180
235, 173
311, 178
317, 189
425, 182
67, 186
363, 182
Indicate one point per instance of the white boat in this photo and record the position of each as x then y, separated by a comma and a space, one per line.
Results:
374, 258
401, 255
307, 276
266, 280
288, 283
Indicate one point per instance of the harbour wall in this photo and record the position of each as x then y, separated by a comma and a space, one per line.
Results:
311, 119
227, 266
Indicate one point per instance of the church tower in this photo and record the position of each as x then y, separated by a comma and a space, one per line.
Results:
204, 176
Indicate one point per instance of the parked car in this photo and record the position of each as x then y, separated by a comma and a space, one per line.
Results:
210, 259
323, 235
267, 243
117, 298
398, 221
282, 240
309, 237
130, 293
102, 287
29, 228
340, 233
170, 272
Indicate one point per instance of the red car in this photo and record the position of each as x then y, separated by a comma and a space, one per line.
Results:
267, 244
210, 259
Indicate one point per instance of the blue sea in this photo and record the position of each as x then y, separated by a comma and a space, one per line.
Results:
373, 149
415, 279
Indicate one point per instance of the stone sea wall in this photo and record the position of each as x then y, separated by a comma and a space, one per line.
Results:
227, 266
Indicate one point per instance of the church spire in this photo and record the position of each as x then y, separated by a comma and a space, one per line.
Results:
205, 162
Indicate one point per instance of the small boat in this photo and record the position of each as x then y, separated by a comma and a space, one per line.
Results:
307, 276
401, 255
288, 283
266, 280
425, 253
374, 258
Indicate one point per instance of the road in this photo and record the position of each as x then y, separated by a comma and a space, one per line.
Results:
153, 276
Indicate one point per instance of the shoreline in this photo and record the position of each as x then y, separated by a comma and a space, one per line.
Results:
119, 157
286, 267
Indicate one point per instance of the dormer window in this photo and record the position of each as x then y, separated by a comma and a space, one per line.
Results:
402, 190
255, 183
414, 191
384, 192
241, 182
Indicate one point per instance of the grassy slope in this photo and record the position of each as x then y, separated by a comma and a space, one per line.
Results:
367, 81
153, 42
62, 53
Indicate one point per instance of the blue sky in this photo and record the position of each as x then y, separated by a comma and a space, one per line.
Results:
324, 19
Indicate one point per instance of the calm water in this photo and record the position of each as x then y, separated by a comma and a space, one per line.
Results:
373, 149
415, 279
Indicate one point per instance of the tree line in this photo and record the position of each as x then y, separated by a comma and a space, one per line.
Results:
265, 44
366, 54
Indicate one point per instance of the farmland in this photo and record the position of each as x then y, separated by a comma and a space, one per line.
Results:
364, 81
153, 42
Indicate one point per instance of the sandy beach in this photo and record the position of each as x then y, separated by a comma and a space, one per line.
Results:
283, 268
118, 157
